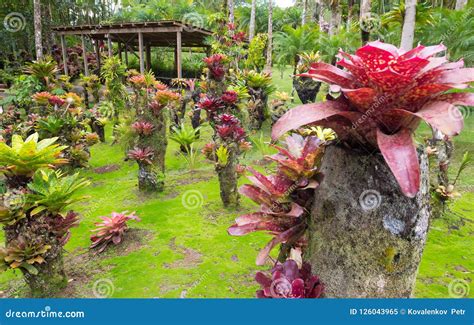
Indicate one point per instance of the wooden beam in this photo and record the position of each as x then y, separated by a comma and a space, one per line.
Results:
126, 55
140, 52
148, 56
178, 54
84, 55
64, 50
119, 45
132, 30
109, 45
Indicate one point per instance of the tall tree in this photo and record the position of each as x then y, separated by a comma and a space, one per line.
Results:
408, 31
230, 5
335, 21
364, 14
303, 14
252, 20
268, 66
37, 27
460, 4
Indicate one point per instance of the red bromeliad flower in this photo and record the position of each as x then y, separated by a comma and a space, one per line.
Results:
229, 97
111, 230
143, 127
210, 104
288, 281
141, 155
299, 160
228, 128
239, 37
215, 64
56, 101
386, 93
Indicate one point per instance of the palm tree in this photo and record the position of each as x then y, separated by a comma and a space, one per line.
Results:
293, 41
252, 20
408, 32
37, 27
268, 66
364, 13
460, 4
230, 5
303, 14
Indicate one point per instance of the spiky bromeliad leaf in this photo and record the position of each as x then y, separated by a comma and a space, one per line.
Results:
386, 93
25, 157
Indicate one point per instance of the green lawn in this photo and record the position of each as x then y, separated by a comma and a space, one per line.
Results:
178, 250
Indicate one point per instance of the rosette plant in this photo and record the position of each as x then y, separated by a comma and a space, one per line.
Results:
284, 198
34, 213
385, 93
374, 201
288, 281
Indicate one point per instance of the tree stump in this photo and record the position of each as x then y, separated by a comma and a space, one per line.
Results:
366, 238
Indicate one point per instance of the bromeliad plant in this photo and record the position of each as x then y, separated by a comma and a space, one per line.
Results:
284, 198
385, 93
289, 281
151, 100
63, 117
33, 212
111, 230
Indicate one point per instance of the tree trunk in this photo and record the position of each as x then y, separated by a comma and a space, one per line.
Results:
335, 17
350, 8
364, 13
408, 31
268, 66
230, 5
252, 20
228, 180
365, 237
37, 27
51, 277
460, 4
303, 14
319, 12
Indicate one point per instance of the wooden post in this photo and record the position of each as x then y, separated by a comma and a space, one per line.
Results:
140, 52
119, 50
178, 54
148, 56
64, 50
84, 55
126, 55
109, 45
97, 53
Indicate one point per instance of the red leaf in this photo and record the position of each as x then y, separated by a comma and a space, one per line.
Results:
362, 98
457, 98
330, 74
400, 154
456, 76
306, 114
443, 116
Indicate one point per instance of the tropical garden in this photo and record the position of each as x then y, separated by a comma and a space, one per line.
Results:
317, 149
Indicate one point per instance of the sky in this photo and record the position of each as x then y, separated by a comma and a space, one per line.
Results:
284, 3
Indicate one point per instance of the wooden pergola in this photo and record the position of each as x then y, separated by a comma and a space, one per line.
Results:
141, 36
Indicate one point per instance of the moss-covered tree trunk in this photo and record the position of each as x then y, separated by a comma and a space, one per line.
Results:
257, 108
50, 277
228, 179
307, 89
365, 237
151, 178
